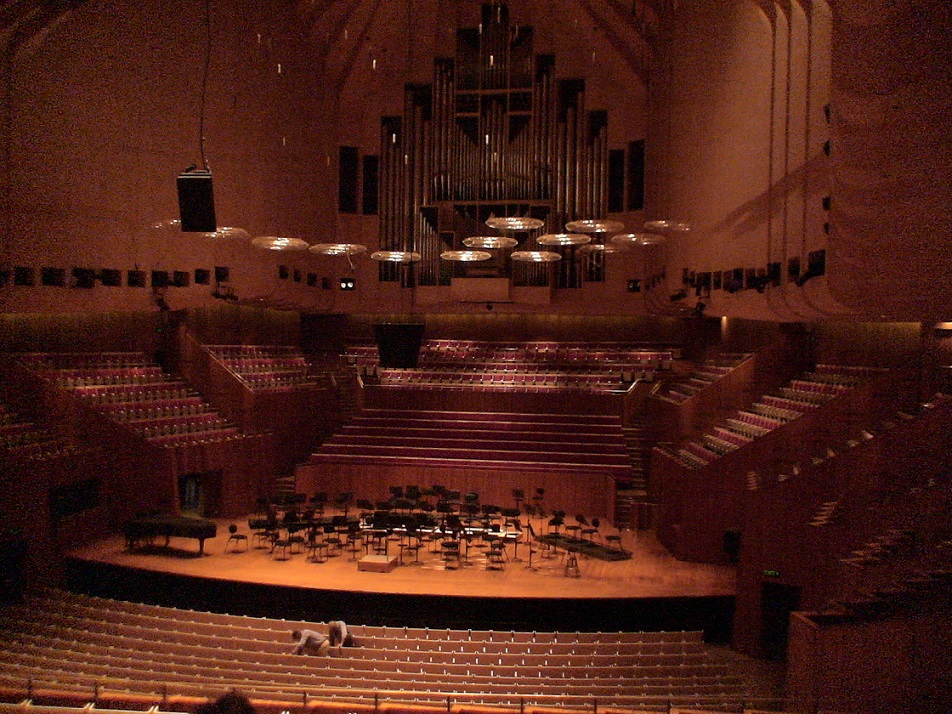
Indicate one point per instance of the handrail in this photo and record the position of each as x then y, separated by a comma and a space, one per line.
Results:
103, 690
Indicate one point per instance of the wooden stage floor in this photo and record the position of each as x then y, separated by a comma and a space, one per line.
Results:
242, 579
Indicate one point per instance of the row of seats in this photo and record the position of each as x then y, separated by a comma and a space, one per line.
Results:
253, 351
84, 360
156, 409
707, 373
25, 441
264, 366
134, 394
608, 381
486, 355
165, 413
79, 639
762, 417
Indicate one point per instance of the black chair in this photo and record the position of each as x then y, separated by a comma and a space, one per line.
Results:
318, 501
513, 535
281, 545
264, 537
294, 535
235, 537
316, 546
354, 541
496, 554
591, 531
613, 540
575, 530
449, 550
334, 542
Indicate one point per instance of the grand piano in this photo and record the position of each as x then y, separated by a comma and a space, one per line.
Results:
143, 530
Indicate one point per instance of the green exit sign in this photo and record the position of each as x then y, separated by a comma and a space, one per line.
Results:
771, 573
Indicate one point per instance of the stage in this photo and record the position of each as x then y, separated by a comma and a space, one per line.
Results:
649, 591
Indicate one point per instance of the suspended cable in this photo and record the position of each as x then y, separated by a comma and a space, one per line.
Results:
201, 110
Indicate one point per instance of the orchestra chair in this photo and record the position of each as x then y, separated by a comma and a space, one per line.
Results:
237, 538
316, 547
613, 540
591, 531
449, 550
332, 537
574, 530
283, 545
294, 535
355, 540
496, 554
318, 501
264, 537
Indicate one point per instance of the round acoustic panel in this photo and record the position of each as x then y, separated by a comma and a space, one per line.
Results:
595, 225
535, 256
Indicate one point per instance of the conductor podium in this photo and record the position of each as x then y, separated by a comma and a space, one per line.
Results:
377, 563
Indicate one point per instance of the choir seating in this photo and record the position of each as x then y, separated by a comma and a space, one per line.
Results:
524, 367
576, 458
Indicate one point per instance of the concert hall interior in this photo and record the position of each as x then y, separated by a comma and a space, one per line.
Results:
577, 354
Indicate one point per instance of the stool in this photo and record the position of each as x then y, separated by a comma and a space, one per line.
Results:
571, 566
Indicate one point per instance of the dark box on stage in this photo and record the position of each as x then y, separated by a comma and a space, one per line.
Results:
377, 563
196, 202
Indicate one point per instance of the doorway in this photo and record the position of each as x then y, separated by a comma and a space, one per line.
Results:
777, 601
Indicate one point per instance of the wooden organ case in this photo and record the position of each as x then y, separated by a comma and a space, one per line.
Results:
495, 134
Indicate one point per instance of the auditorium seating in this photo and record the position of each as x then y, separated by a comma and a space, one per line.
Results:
71, 641
768, 413
526, 367
264, 366
132, 390
680, 389
23, 440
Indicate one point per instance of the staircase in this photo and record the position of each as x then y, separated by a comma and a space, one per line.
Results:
631, 492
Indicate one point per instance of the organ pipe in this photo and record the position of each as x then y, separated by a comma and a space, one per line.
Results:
495, 137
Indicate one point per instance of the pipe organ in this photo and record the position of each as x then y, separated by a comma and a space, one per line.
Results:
495, 133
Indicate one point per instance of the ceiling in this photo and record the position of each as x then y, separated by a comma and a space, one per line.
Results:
616, 35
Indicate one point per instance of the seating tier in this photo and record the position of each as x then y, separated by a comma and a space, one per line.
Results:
73, 640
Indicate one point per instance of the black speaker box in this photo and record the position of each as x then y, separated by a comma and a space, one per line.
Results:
196, 202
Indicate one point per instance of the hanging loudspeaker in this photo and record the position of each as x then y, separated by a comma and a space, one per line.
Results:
196, 202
